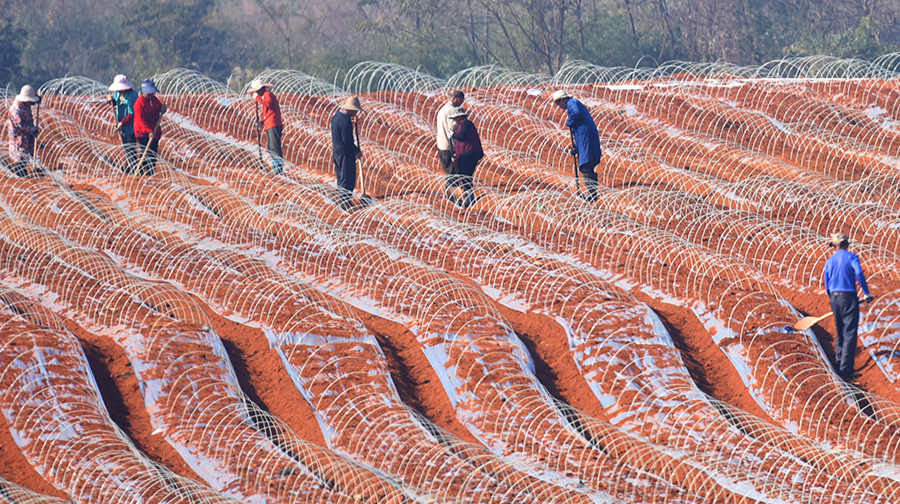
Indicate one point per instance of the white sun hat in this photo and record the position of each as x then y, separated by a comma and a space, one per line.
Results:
352, 103
457, 112
26, 94
121, 83
560, 94
257, 84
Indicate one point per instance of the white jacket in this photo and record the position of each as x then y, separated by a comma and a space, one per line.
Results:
444, 127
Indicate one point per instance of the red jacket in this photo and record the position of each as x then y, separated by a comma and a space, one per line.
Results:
467, 140
271, 110
146, 115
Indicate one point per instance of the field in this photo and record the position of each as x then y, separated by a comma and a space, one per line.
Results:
217, 333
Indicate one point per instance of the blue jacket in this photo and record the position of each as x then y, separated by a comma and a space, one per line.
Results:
125, 109
587, 139
342, 138
842, 271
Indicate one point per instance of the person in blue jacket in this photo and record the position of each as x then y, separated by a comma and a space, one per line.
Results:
345, 151
842, 273
123, 98
586, 139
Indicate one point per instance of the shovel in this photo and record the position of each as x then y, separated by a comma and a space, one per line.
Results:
807, 322
575, 163
37, 145
258, 133
362, 177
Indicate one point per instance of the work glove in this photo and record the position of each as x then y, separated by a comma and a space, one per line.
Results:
572, 151
869, 298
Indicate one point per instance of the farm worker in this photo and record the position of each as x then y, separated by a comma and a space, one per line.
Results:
468, 152
445, 129
123, 99
22, 130
148, 112
842, 273
586, 139
271, 121
345, 152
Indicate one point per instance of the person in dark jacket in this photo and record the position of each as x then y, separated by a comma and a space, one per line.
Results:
468, 152
123, 99
586, 139
271, 121
842, 272
345, 151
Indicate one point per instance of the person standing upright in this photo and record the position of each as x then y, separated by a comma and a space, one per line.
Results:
123, 99
148, 112
270, 122
445, 127
585, 137
345, 152
842, 272
468, 152
22, 132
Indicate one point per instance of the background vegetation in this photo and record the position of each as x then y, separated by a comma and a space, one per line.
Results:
44, 39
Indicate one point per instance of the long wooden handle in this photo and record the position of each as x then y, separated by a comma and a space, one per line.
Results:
575, 161
362, 176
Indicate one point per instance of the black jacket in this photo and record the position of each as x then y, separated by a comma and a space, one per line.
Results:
342, 134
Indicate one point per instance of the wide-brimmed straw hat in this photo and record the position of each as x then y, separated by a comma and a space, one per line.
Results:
458, 112
839, 238
560, 94
257, 84
149, 87
121, 83
26, 94
352, 103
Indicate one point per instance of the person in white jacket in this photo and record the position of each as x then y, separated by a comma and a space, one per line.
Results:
445, 127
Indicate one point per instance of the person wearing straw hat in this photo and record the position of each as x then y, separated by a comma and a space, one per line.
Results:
468, 152
445, 130
585, 139
270, 122
22, 132
842, 272
148, 112
123, 99
345, 152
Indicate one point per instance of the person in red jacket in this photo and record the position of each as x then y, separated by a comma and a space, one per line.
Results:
271, 121
468, 152
148, 112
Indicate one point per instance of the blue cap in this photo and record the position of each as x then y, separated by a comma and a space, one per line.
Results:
148, 87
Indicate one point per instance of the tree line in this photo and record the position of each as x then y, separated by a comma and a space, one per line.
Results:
235, 39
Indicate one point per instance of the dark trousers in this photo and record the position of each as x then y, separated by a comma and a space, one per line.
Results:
345, 169
148, 167
446, 158
590, 178
130, 149
273, 144
462, 174
845, 306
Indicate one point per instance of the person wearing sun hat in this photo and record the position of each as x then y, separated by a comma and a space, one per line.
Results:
468, 152
842, 272
345, 151
585, 138
21, 130
148, 112
270, 122
123, 99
